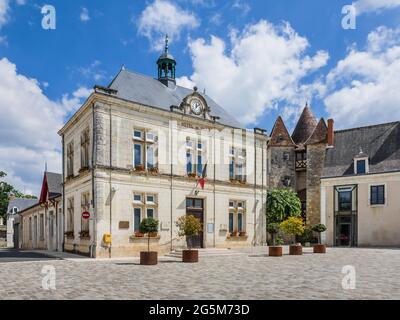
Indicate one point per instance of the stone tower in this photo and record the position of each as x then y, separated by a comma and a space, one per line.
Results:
297, 161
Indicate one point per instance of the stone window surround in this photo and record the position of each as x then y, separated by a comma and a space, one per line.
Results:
238, 158
369, 195
366, 159
85, 144
145, 141
70, 215
235, 210
195, 153
85, 206
70, 159
143, 205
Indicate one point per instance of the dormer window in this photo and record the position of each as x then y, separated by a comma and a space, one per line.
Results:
361, 167
361, 164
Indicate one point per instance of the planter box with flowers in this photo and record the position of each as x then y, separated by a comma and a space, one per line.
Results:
153, 171
192, 175
69, 234
139, 168
84, 235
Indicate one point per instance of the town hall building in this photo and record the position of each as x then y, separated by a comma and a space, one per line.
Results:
138, 148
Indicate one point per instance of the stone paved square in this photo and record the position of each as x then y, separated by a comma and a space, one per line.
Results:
242, 274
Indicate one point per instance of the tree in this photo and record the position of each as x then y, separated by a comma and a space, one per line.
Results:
319, 228
273, 229
282, 204
5, 191
147, 226
293, 226
189, 226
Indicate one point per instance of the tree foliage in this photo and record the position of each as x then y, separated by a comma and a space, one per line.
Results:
282, 204
6, 190
189, 226
148, 225
293, 226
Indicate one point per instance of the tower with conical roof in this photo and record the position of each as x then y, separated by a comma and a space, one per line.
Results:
166, 66
297, 161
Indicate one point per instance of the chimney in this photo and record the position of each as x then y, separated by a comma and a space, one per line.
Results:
11, 197
331, 134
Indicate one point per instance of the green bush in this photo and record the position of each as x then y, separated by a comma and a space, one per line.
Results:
319, 228
307, 236
189, 226
147, 226
282, 204
293, 226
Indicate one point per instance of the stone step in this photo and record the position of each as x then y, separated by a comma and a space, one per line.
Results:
207, 253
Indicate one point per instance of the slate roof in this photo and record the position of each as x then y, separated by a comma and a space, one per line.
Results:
305, 126
320, 133
21, 204
54, 183
148, 91
380, 142
280, 135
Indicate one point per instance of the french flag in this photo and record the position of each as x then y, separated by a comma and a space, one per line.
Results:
202, 180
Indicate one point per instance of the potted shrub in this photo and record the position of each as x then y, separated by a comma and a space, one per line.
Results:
139, 168
235, 233
147, 226
274, 250
139, 235
293, 226
69, 234
319, 248
189, 226
153, 170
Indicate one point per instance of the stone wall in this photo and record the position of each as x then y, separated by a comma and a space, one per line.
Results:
315, 165
279, 168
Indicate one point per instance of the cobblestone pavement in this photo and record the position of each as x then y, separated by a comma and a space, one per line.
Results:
250, 275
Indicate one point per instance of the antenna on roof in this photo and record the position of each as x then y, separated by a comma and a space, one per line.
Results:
123, 67
45, 166
204, 91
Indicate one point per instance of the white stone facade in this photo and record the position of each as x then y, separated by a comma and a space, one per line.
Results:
112, 179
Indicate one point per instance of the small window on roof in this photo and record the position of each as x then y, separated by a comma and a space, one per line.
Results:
361, 166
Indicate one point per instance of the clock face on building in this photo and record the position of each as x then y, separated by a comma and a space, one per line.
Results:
196, 106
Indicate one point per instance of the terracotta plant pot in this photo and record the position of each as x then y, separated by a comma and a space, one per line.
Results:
319, 248
190, 256
295, 250
153, 234
275, 251
148, 258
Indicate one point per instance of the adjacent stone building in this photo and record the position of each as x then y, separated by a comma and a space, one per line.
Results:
42, 223
296, 161
360, 187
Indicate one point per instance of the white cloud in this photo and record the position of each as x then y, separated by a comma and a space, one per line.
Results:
185, 82
363, 88
84, 16
365, 6
4, 11
29, 122
242, 6
21, 2
264, 66
162, 17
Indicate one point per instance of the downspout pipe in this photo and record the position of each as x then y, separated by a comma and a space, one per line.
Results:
111, 193
94, 160
63, 193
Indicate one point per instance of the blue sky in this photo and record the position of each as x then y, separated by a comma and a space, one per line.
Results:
257, 58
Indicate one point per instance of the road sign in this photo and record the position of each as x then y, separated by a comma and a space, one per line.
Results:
86, 215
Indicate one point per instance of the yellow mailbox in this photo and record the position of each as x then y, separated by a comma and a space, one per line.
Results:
107, 238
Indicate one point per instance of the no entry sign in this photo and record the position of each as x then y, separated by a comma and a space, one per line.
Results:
86, 215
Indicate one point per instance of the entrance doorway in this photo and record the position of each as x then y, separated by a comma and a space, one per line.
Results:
345, 231
195, 207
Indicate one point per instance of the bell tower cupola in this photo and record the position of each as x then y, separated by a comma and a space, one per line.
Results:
166, 67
